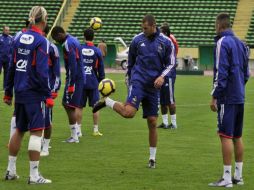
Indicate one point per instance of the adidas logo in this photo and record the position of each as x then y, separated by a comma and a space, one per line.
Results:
143, 44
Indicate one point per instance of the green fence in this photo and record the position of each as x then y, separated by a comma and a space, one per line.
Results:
205, 57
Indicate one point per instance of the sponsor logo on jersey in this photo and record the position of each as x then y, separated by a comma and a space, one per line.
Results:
21, 65
88, 60
26, 39
87, 52
88, 70
24, 51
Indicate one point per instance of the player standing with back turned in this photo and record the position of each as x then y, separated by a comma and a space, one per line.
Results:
28, 74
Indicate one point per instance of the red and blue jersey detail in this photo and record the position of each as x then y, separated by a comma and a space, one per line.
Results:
54, 68
73, 61
28, 71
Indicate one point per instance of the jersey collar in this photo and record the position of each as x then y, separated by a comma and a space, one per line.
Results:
36, 29
89, 43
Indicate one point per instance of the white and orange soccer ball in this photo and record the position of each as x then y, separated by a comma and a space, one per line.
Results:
95, 23
107, 87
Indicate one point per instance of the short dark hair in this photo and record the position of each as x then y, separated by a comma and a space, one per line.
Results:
27, 22
46, 29
224, 20
89, 34
150, 19
165, 29
57, 30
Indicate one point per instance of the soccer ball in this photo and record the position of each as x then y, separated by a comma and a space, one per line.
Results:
107, 87
95, 23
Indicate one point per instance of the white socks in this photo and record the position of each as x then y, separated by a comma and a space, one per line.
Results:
34, 169
12, 164
13, 126
73, 129
95, 128
78, 128
227, 173
165, 119
173, 119
109, 102
152, 153
45, 144
237, 174
238, 170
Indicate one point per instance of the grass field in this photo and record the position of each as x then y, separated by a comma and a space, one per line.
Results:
187, 158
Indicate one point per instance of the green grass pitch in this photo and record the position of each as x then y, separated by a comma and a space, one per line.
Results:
187, 158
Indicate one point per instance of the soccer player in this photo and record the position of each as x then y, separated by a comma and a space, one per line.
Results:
94, 71
28, 74
230, 76
151, 58
55, 84
75, 79
167, 98
13, 119
5, 53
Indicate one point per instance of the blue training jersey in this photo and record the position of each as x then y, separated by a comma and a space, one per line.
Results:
5, 48
54, 68
93, 65
231, 70
28, 71
150, 58
73, 61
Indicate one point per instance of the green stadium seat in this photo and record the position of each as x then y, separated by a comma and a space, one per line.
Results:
191, 21
15, 12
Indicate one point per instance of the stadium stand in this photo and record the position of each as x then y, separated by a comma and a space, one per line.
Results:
192, 21
14, 12
250, 34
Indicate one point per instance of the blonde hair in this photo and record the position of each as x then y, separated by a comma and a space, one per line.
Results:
37, 14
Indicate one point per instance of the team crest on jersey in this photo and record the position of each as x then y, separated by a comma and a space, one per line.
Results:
26, 39
87, 52
134, 100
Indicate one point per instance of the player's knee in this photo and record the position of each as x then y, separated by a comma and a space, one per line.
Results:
128, 114
34, 143
152, 121
164, 109
172, 108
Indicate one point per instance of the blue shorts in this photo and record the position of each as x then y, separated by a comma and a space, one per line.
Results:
92, 95
30, 117
48, 117
230, 120
149, 98
167, 92
74, 100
